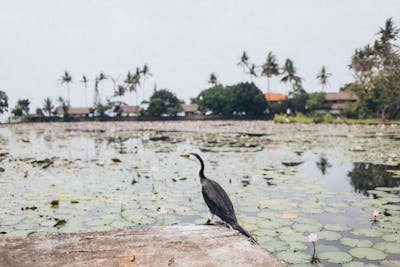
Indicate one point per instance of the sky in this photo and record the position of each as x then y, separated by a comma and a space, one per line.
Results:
182, 41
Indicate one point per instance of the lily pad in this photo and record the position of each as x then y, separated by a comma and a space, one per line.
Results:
368, 232
367, 253
337, 227
388, 247
275, 245
392, 238
294, 257
335, 256
307, 227
356, 242
329, 235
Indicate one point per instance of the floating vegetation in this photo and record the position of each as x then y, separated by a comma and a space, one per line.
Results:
367, 253
285, 182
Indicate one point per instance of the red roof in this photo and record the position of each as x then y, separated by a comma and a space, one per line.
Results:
274, 97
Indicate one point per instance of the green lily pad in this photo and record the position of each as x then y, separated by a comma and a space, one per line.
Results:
294, 257
388, 247
329, 235
296, 246
356, 242
392, 238
367, 253
293, 237
335, 256
275, 245
368, 232
307, 227
337, 227
390, 263
354, 264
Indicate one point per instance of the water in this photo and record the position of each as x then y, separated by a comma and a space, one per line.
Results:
285, 182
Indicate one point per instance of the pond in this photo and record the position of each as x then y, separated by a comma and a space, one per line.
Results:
285, 181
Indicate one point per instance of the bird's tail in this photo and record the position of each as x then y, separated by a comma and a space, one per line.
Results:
244, 232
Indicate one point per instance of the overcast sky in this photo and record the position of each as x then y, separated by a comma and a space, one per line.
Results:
183, 41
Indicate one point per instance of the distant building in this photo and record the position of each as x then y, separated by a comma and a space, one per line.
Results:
190, 109
335, 102
130, 110
274, 97
75, 111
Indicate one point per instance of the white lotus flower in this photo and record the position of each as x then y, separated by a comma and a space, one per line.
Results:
163, 210
376, 213
313, 237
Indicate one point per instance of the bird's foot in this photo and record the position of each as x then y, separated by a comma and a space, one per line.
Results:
253, 240
208, 222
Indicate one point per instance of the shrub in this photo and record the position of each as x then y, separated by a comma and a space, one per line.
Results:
328, 118
318, 118
280, 118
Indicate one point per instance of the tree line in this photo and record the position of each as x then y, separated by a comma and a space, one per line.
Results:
376, 70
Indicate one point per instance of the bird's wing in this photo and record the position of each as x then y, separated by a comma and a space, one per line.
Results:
218, 201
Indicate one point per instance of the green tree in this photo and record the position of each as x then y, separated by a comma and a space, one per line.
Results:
66, 79
163, 102
247, 99
297, 100
48, 106
3, 102
270, 68
21, 108
323, 76
217, 99
377, 68
315, 101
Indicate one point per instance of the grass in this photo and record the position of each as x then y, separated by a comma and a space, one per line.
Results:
327, 118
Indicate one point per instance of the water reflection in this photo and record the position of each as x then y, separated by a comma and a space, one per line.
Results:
323, 164
367, 176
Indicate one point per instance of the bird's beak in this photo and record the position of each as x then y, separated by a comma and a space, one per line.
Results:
186, 156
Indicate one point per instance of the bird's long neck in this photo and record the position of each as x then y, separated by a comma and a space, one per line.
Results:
201, 171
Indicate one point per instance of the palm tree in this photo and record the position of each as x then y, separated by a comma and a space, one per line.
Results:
270, 68
136, 82
289, 72
101, 78
389, 33
129, 85
96, 100
48, 106
67, 79
243, 62
213, 79
145, 73
120, 90
323, 76
252, 71
85, 81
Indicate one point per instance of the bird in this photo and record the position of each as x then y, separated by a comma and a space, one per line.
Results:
217, 199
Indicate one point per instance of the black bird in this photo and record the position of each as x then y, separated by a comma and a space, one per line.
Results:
217, 199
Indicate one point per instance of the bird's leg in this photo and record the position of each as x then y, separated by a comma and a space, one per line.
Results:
209, 220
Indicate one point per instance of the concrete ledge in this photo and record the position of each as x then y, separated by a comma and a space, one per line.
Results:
189, 245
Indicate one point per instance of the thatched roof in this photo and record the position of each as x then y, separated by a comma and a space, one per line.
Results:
190, 108
130, 109
75, 110
340, 96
